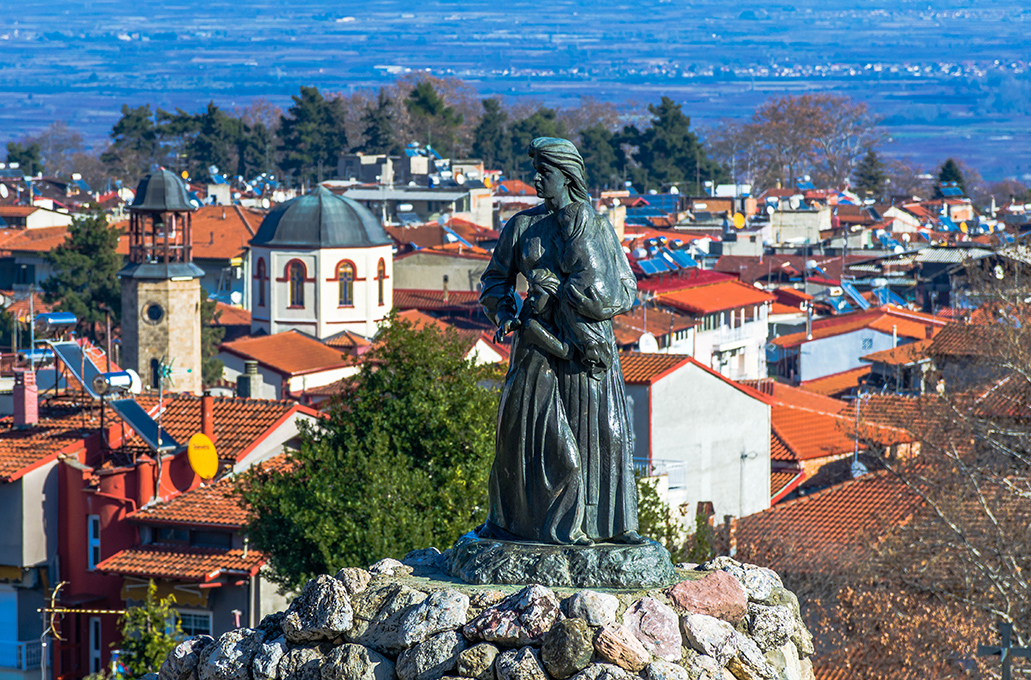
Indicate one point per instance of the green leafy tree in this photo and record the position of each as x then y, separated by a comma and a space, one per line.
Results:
543, 122
134, 145
601, 158
431, 115
490, 138
176, 131
948, 173
85, 279
401, 462
870, 176
378, 126
27, 156
216, 141
149, 633
668, 152
313, 135
211, 335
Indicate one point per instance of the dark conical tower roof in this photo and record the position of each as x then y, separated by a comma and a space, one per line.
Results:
321, 219
161, 191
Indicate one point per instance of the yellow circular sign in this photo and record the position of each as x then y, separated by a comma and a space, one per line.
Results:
202, 456
739, 220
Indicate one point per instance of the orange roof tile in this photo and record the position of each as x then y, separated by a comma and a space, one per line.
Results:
836, 384
629, 327
219, 232
348, 341
239, 423
782, 394
21, 451
906, 323
909, 353
644, 369
810, 434
39, 240
216, 504
288, 353
965, 340
433, 300
228, 315
181, 562
783, 482
715, 297
17, 210
830, 527
20, 308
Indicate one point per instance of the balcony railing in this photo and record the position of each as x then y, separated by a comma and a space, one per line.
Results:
22, 656
675, 470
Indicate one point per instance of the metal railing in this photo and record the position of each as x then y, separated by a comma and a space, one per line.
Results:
675, 470
22, 656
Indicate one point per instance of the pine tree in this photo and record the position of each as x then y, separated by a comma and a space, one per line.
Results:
211, 336
432, 117
870, 177
490, 138
134, 147
378, 126
313, 135
543, 122
27, 156
948, 174
600, 158
85, 278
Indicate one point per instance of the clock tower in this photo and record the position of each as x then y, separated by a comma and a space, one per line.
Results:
161, 285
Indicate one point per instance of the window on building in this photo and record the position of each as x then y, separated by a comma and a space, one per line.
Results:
171, 535
211, 539
194, 623
296, 274
381, 275
262, 276
345, 278
867, 343
93, 540
95, 643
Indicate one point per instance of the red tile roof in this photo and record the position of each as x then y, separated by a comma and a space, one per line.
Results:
715, 297
965, 340
685, 278
830, 527
781, 394
906, 323
783, 482
836, 384
348, 341
288, 353
182, 562
20, 308
433, 300
214, 505
17, 210
228, 315
910, 353
239, 423
629, 327
22, 451
646, 369
39, 240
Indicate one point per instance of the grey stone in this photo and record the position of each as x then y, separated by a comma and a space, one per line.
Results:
432, 659
388, 566
442, 610
181, 662
355, 662
710, 636
785, 662
656, 626
807, 669
784, 597
727, 564
664, 670
354, 579
300, 663
749, 663
616, 644
230, 656
478, 661
568, 648
266, 661
603, 671
770, 627
803, 640
759, 582
424, 562
704, 667
482, 599
519, 664
605, 565
377, 615
321, 612
596, 608
521, 619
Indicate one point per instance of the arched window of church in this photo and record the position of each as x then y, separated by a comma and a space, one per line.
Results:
381, 275
345, 278
297, 275
262, 276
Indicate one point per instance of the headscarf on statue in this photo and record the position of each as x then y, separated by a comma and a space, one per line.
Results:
563, 155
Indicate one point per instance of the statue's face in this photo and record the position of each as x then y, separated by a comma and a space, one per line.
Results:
549, 180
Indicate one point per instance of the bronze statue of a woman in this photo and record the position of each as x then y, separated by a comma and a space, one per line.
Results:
563, 468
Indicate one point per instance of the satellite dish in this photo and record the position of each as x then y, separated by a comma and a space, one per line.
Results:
770, 210
460, 178
184, 174
810, 264
739, 220
615, 203
794, 202
652, 192
265, 203
126, 194
858, 469
202, 456
4, 193
674, 190
906, 237
236, 297
647, 343
442, 220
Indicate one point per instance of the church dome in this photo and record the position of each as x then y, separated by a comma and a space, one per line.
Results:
321, 219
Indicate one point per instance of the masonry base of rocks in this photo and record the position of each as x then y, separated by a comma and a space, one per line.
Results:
601, 565
408, 620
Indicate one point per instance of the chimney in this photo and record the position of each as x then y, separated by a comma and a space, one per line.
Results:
26, 405
445, 289
928, 331
207, 415
247, 384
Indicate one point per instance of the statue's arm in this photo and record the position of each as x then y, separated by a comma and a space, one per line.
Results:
498, 281
599, 284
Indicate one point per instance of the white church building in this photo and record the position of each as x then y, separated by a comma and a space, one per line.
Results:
320, 264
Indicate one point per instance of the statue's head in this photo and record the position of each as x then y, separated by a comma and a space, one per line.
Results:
561, 155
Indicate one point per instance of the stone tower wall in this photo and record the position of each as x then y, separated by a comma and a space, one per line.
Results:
176, 335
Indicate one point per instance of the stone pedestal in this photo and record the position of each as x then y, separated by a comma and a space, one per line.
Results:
603, 565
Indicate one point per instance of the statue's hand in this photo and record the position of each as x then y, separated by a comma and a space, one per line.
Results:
506, 326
